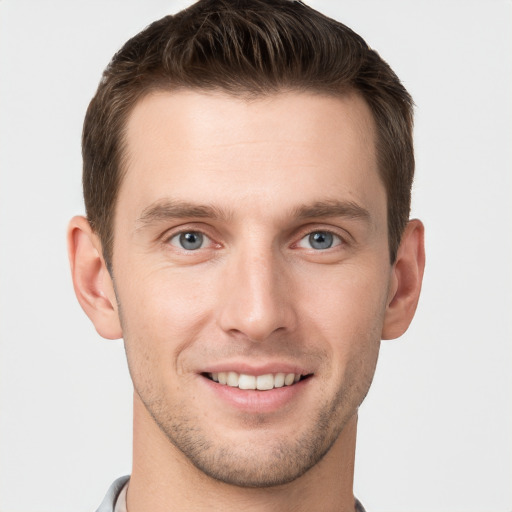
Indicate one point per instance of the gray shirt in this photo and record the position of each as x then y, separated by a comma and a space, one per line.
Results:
109, 502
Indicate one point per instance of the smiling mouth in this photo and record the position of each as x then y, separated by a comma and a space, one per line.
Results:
260, 382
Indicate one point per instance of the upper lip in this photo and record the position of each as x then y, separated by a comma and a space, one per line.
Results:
256, 369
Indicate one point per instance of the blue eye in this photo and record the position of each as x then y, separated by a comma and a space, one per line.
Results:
189, 240
320, 240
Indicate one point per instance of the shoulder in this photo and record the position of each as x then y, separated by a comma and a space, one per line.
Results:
109, 501
359, 507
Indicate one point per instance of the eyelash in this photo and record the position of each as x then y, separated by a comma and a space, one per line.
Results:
205, 237
337, 240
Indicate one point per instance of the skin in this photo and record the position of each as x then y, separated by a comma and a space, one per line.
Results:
256, 179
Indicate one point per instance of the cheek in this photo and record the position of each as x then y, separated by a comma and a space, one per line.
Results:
162, 312
164, 298
347, 308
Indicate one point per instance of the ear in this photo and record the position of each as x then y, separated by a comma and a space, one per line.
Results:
93, 284
406, 279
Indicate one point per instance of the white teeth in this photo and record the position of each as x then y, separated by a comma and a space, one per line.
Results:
289, 379
264, 382
279, 380
260, 382
232, 379
247, 382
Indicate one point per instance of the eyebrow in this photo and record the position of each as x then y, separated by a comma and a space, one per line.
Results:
332, 208
166, 209
172, 209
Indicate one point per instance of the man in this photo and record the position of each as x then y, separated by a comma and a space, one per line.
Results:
247, 176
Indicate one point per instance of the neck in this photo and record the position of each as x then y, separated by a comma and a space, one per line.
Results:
163, 479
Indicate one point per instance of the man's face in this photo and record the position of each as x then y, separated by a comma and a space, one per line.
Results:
251, 245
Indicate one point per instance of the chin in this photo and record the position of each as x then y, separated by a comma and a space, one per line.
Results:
259, 456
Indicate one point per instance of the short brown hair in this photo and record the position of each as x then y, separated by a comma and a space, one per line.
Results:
245, 48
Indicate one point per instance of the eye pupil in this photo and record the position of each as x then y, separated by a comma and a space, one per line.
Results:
191, 241
321, 240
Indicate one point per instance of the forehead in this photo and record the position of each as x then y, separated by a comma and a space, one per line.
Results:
263, 153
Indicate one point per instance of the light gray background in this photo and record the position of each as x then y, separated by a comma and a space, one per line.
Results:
435, 431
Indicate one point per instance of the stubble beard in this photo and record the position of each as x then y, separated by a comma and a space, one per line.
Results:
282, 459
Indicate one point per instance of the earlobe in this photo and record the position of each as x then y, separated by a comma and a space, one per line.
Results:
91, 280
406, 281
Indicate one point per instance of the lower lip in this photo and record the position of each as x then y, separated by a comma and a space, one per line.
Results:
255, 401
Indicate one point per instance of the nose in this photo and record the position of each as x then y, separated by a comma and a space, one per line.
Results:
256, 299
